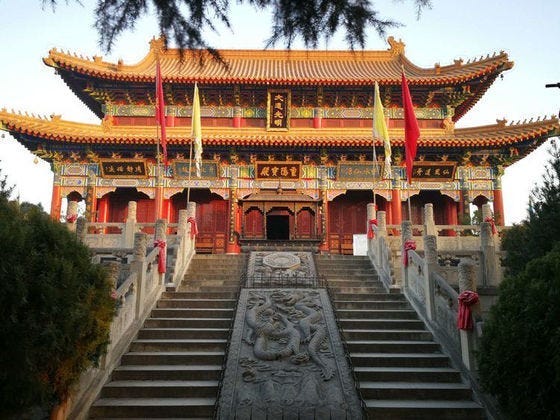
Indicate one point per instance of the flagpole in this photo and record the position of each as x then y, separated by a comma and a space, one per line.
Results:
375, 173
158, 158
190, 172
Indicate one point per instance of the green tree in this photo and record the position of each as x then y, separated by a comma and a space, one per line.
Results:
519, 358
55, 309
184, 21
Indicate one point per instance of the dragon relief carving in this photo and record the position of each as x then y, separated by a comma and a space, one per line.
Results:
288, 326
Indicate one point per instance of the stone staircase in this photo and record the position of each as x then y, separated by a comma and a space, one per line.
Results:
172, 368
401, 370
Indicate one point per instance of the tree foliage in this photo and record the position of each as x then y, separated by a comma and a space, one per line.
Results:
55, 309
519, 358
184, 21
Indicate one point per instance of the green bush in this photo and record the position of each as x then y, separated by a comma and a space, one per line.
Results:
55, 309
519, 357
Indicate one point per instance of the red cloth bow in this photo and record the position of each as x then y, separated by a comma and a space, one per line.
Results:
409, 245
492, 224
194, 228
370, 231
72, 218
161, 256
464, 318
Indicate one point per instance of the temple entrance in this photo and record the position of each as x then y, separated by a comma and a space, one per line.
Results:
278, 227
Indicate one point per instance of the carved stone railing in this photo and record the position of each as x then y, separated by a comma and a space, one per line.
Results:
136, 293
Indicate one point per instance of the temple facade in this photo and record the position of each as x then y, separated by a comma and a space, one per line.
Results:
288, 151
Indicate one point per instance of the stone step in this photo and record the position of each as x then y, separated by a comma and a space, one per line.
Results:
331, 257
187, 323
208, 281
182, 333
196, 303
350, 282
218, 294
379, 296
153, 407
401, 346
160, 389
399, 359
371, 304
166, 372
358, 290
381, 324
380, 335
178, 345
192, 313
407, 374
376, 314
415, 391
423, 409
173, 358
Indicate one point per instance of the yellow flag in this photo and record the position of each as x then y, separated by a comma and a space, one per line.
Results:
380, 131
196, 132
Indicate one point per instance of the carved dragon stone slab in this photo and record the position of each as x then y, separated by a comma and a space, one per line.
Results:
286, 359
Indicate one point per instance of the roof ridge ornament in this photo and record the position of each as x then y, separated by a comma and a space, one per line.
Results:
396, 47
158, 45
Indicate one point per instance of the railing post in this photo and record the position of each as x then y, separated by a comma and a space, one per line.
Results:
489, 257
191, 212
467, 281
182, 222
429, 224
138, 266
381, 240
81, 229
130, 225
430, 266
161, 235
71, 215
406, 234
370, 210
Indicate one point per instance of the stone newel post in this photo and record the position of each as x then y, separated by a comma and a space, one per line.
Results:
130, 225
467, 281
429, 224
71, 215
182, 223
430, 266
140, 248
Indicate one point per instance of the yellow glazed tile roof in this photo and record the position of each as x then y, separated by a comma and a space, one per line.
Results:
289, 67
55, 130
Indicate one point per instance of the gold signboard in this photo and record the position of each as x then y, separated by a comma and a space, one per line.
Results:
123, 168
433, 171
208, 170
358, 171
278, 110
278, 170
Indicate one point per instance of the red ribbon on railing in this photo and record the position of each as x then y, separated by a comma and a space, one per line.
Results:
71, 218
370, 231
492, 224
464, 317
161, 255
409, 245
194, 228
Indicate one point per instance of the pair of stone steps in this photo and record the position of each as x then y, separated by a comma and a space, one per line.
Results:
401, 370
172, 368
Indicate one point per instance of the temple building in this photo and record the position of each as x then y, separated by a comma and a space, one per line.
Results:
288, 151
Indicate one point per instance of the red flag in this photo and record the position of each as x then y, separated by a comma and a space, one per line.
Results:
411, 130
160, 112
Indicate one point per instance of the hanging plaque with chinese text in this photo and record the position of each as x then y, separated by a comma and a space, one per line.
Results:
118, 168
356, 171
278, 110
208, 170
433, 171
278, 170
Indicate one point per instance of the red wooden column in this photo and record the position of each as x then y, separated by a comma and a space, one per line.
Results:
325, 245
498, 207
56, 202
451, 215
317, 118
237, 117
396, 206
103, 209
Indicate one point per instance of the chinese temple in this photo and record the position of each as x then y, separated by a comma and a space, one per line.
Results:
288, 151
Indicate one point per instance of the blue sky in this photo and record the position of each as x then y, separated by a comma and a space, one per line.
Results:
528, 31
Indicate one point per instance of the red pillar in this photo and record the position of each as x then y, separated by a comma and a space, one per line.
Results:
55, 202
317, 118
396, 206
237, 117
498, 208
451, 215
103, 212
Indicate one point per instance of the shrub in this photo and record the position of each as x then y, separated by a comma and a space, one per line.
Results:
55, 309
520, 358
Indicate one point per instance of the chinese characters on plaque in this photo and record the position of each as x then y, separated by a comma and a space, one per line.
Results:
208, 170
433, 171
123, 168
278, 110
359, 171
278, 170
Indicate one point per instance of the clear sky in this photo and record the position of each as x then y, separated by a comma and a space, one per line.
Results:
527, 30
